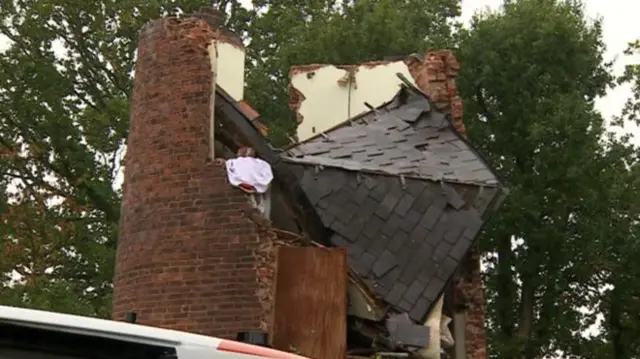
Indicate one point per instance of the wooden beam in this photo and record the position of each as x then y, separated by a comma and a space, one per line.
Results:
310, 302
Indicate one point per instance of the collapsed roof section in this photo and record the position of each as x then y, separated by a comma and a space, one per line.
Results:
403, 192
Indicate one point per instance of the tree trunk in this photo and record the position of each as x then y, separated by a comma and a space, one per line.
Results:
618, 347
505, 288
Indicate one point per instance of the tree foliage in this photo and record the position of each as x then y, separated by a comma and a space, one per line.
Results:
64, 86
562, 248
530, 77
289, 33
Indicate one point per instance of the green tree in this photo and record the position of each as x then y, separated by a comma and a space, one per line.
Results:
530, 77
621, 302
289, 33
65, 81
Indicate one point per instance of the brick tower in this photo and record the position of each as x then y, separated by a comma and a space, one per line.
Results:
184, 258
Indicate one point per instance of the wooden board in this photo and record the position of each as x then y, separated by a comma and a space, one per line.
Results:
310, 302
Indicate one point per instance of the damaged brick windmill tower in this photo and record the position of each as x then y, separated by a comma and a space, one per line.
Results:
196, 254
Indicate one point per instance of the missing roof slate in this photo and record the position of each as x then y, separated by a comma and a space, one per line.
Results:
399, 139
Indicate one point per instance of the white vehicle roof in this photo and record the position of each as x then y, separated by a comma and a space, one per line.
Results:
101, 327
133, 333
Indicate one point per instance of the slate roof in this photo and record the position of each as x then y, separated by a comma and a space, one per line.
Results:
399, 139
406, 239
403, 192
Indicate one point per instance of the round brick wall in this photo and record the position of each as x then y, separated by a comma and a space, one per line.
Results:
185, 257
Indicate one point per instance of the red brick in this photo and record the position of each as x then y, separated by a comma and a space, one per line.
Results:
436, 77
185, 257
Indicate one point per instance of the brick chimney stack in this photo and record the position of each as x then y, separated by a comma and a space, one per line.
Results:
185, 257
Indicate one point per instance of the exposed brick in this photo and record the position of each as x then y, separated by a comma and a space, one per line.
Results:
472, 294
186, 251
436, 76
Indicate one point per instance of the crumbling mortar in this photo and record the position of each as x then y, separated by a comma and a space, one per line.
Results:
265, 262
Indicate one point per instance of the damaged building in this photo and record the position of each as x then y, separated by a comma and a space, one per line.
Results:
356, 240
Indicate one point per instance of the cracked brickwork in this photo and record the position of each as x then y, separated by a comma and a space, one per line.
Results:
436, 74
473, 291
186, 251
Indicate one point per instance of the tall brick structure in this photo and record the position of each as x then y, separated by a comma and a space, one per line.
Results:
185, 252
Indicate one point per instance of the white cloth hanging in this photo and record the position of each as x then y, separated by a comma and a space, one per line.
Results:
249, 171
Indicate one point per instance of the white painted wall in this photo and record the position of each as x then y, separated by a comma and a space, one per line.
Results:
327, 103
230, 69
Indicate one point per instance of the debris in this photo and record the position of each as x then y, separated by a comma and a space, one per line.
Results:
406, 333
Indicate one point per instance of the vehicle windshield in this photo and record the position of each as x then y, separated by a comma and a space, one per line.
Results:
22, 342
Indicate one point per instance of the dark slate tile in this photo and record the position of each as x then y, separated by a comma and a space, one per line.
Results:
461, 248
385, 263
354, 251
454, 232
342, 196
410, 220
453, 198
424, 255
436, 235
352, 230
419, 309
389, 279
473, 227
373, 226
327, 218
360, 195
339, 241
402, 330
378, 245
337, 179
334, 209
422, 203
370, 182
363, 241
447, 268
391, 226
418, 234
404, 305
441, 251
380, 190
425, 252
387, 204
434, 288
412, 268
338, 226
415, 187
414, 291
396, 293
405, 204
448, 155
343, 152
398, 241
324, 203
366, 261
348, 211
430, 217
309, 183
